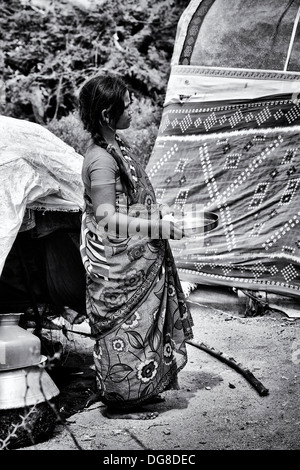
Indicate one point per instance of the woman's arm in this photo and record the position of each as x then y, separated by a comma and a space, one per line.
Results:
118, 224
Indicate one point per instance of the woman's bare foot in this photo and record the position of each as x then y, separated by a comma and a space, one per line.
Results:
135, 413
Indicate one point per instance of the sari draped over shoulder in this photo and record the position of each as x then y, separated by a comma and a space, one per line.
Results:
135, 304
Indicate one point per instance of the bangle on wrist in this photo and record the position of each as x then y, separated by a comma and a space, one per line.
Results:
156, 232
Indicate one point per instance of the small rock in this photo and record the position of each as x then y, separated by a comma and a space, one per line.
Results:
207, 388
231, 385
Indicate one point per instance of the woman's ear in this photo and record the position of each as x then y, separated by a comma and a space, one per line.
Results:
104, 116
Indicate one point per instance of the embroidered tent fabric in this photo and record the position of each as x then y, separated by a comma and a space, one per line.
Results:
229, 140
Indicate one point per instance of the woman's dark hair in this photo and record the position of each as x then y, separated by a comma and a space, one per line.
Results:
101, 92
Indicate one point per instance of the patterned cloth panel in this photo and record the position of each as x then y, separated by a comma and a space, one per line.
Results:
229, 143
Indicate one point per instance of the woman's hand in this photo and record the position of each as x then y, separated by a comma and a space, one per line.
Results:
169, 230
164, 210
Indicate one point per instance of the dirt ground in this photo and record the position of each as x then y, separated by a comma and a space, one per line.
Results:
216, 407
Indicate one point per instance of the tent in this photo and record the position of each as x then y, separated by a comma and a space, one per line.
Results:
229, 143
40, 209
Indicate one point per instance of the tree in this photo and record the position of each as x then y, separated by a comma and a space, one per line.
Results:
49, 51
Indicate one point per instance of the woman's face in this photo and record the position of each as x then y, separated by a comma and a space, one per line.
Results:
125, 118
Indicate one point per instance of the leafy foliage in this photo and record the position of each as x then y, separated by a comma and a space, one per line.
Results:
49, 48
141, 134
57, 48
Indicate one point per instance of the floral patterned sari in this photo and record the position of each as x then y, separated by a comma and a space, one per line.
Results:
135, 304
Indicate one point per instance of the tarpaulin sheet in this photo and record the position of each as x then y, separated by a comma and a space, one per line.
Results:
37, 171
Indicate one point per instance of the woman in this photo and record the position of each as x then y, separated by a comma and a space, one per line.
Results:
135, 304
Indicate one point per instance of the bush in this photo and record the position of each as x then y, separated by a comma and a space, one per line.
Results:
141, 135
48, 51
70, 130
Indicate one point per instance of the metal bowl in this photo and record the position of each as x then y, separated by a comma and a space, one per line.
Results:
26, 387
